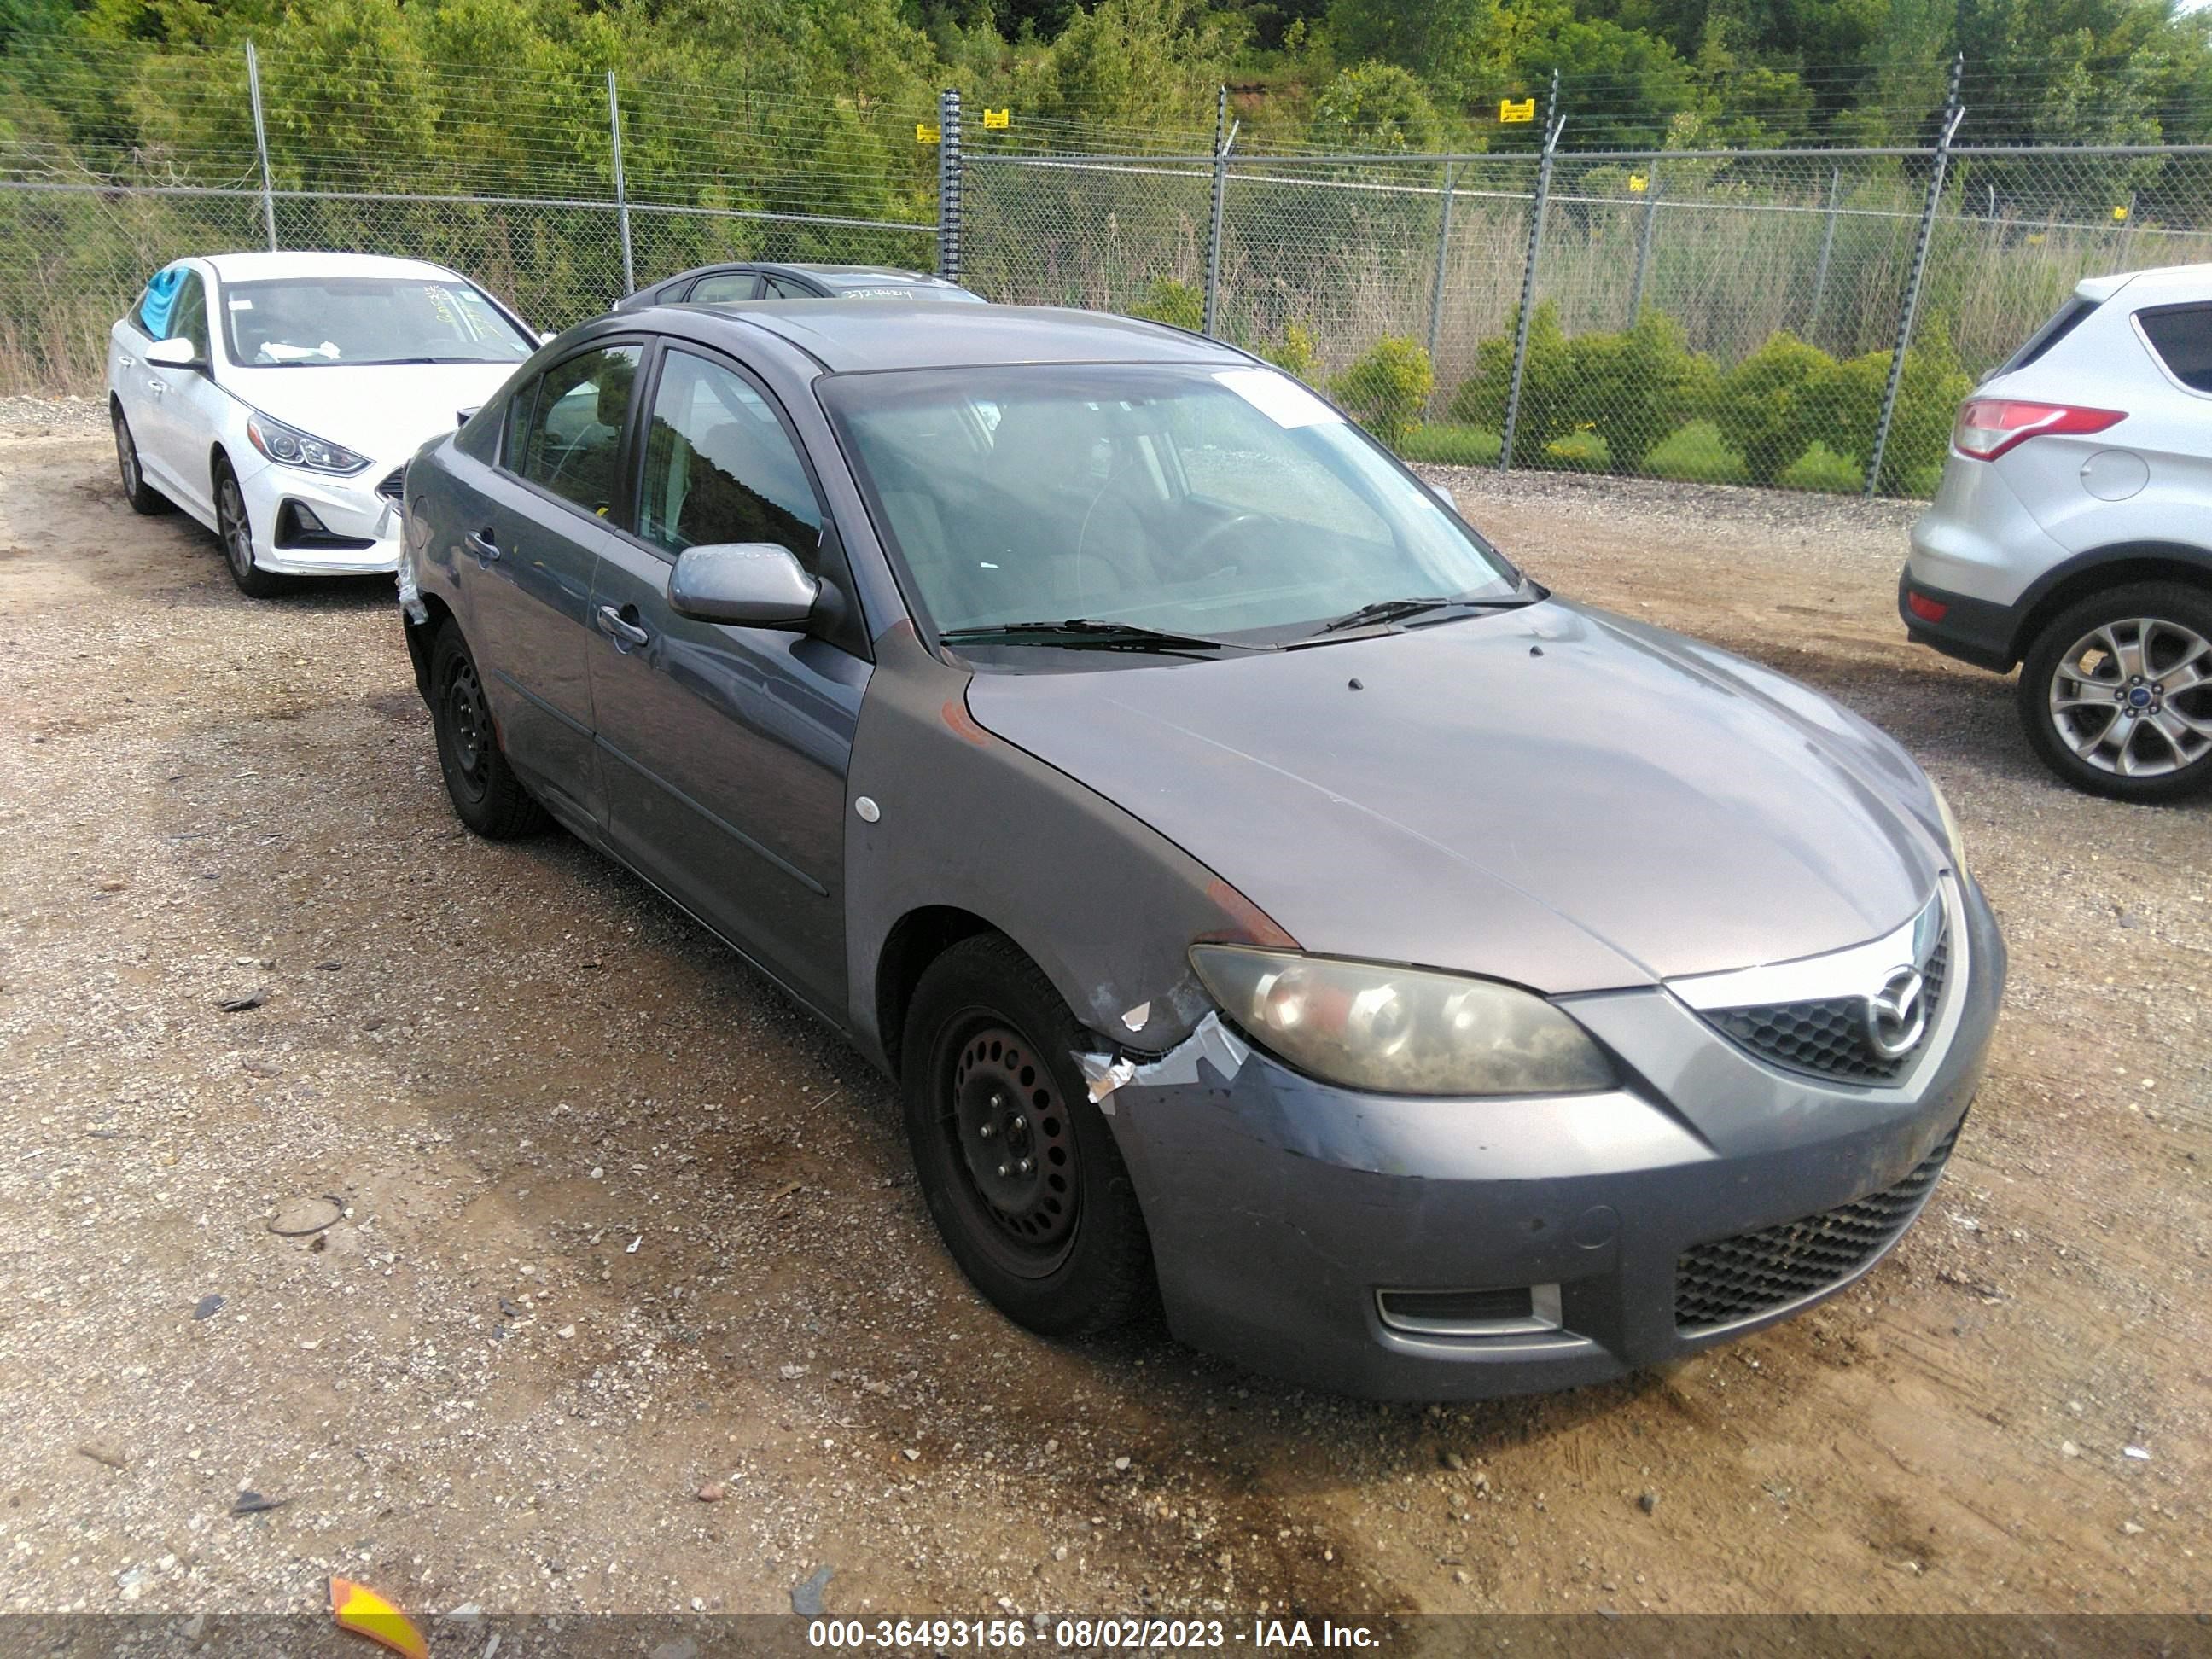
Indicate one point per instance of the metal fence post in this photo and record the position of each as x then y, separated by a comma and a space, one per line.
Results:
1911, 310
1436, 288
1224, 136
261, 143
1553, 123
1827, 248
948, 184
622, 194
1644, 244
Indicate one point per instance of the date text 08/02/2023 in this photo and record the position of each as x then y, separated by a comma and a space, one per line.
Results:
943, 1635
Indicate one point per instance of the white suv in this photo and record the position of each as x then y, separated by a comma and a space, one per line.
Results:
278, 397
2072, 534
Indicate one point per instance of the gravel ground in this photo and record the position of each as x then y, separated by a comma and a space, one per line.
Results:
630, 1303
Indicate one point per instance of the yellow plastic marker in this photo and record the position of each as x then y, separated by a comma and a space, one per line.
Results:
998, 117
1508, 110
2119, 213
1638, 183
924, 134
363, 1611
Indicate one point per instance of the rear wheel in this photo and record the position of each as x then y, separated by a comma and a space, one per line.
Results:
1018, 1168
486, 794
142, 495
235, 530
2117, 692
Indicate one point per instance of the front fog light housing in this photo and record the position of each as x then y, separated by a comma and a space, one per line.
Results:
289, 447
1400, 1030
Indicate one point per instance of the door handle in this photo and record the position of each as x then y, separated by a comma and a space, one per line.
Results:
483, 546
624, 632
157, 386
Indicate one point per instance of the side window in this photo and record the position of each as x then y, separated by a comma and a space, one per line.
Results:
159, 301
568, 438
719, 467
188, 316
2182, 336
782, 288
730, 285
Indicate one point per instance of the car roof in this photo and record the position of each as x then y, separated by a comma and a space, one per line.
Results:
855, 336
830, 275
281, 267
2150, 287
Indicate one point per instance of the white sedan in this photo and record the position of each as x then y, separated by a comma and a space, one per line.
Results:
278, 397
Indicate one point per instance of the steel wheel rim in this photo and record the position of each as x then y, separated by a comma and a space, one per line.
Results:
2133, 698
237, 534
468, 728
1002, 1110
126, 456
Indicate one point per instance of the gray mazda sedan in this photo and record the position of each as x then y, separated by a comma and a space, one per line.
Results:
1272, 905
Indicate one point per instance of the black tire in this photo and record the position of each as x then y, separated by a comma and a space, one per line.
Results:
1060, 1249
142, 495
2169, 624
235, 531
486, 794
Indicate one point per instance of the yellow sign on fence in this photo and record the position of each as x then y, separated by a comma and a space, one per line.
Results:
1638, 183
2119, 213
1508, 110
998, 117
925, 134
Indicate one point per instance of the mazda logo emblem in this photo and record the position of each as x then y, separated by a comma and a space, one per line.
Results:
1896, 1015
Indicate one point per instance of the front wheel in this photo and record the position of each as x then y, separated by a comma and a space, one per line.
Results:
1018, 1168
235, 530
142, 495
486, 794
2116, 692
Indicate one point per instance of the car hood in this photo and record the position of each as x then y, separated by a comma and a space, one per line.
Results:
1549, 795
384, 411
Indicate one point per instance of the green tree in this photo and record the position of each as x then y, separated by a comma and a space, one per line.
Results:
1761, 406
1387, 387
1374, 107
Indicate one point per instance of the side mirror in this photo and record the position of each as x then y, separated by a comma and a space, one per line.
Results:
176, 353
752, 584
1442, 493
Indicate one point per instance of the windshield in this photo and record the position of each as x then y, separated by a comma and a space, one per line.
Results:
311, 321
1192, 500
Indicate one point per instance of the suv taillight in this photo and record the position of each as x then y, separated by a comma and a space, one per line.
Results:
1990, 426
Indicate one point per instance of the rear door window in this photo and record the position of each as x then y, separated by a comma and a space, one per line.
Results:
727, 285
569, 439
2182, 338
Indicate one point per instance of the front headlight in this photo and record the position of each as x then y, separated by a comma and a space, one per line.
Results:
1400, 1030
290, 446
1952, 838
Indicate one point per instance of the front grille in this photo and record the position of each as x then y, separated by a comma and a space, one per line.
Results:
394, 484
1733, 1279
1824, 1038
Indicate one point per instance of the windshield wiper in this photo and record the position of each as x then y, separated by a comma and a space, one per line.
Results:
1390, 610
1091, 634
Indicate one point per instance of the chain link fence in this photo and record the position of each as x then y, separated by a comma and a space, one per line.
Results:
113, 162
1729, 317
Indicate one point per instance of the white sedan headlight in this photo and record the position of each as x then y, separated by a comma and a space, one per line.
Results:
290, 446
1400, 1030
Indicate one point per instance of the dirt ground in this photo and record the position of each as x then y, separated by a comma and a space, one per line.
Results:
634, 1305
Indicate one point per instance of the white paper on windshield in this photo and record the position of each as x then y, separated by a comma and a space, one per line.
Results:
241, 305
1278, 397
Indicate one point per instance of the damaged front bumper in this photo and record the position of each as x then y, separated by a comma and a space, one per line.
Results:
1313, 1233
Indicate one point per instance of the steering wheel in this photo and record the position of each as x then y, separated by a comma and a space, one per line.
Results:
1236, 524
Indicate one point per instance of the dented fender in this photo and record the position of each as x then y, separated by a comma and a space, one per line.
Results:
1105, 905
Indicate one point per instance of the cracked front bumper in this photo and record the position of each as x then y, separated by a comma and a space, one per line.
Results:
1278, 1208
